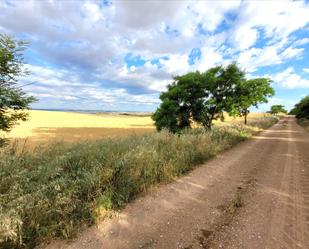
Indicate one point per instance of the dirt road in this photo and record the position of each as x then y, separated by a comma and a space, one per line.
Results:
255, 195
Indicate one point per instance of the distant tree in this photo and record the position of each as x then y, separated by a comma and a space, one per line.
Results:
301, 109
250, 93
13, 101
275, 109
197, 97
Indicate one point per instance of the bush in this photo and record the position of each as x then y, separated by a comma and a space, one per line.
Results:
54, 192
304, 123
301, 109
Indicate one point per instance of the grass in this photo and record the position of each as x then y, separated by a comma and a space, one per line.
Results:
304, 123
57, 190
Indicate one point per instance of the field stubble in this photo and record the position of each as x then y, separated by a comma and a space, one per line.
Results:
55, 126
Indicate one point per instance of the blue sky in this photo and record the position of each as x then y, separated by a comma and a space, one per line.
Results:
119, 55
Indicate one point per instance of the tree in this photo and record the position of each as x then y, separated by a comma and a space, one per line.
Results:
301, 109
275, 109
197, 97
219, 83
166, 116
13, 101
182, 100
204, 97
250, 93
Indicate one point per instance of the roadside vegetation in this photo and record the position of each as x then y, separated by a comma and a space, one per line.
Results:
301, 112
55, 191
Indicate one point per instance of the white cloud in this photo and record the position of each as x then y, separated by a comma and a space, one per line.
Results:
244, 37
210, 57
50, 85
254, 58
177, 64
306, 70
278, 19
145, 14
301, 42
211, 13
87, 42
289, 79
93, 12
291, 52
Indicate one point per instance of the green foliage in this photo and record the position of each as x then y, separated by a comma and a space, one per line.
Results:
166, 116
182, 100
203, 97
219, 83
250, 93
198, 97
13, 101
304, 122
55, 191
301, 109
275, 109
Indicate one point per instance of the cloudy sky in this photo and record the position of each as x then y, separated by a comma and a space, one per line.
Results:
119, 55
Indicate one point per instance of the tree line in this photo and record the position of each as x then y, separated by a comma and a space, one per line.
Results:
202, 97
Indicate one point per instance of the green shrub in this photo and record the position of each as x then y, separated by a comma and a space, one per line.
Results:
304, 122
54, 192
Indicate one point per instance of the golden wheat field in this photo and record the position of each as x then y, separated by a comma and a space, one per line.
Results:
43, 126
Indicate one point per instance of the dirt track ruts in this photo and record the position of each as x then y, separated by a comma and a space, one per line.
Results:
265, 178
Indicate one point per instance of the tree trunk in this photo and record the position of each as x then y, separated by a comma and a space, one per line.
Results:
246, 114
207, 125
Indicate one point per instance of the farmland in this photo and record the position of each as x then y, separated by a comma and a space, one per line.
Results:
43, 126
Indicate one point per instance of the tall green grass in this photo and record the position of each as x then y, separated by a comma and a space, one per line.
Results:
55, 191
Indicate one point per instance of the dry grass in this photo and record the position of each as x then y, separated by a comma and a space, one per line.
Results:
44, 126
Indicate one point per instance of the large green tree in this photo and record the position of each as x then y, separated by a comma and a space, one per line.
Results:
250, 93
204, 97
197, 97
13, 101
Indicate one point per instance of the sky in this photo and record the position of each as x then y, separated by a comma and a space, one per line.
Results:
120, 55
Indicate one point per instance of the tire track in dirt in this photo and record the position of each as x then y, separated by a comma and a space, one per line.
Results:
292, 231
276, 212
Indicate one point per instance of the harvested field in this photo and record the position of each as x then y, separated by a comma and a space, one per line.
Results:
44, 126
